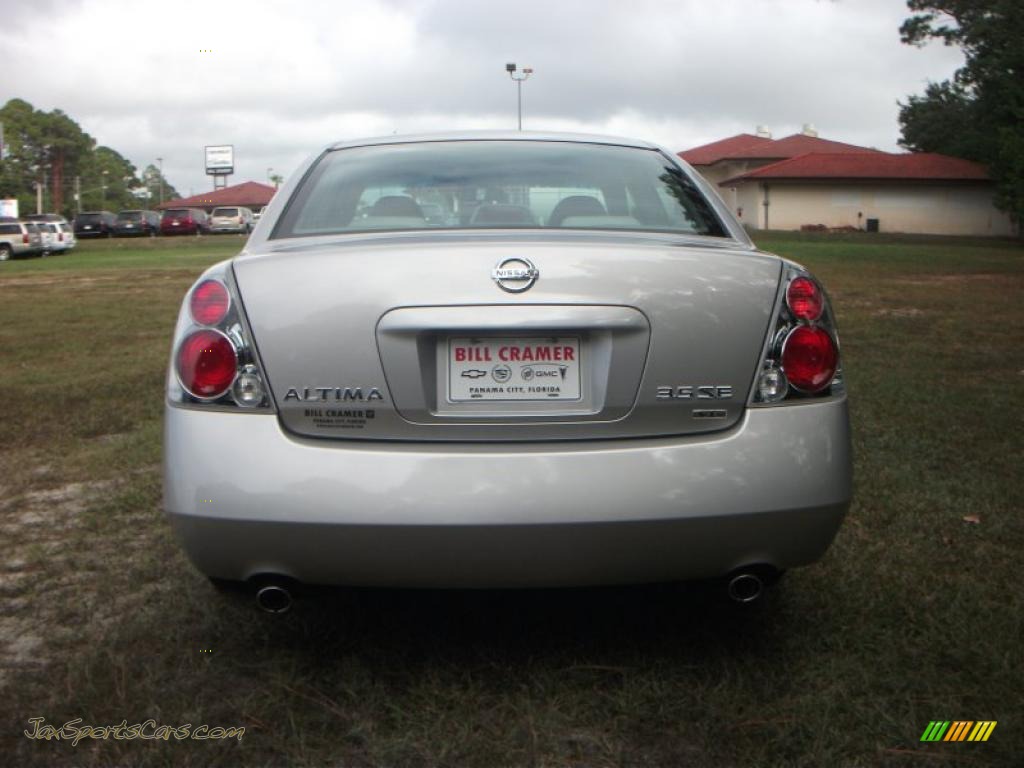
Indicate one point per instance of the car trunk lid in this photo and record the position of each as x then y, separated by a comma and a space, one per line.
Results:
413, 338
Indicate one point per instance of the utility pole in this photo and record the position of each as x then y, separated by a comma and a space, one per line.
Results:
160, 160
78, 194
39, 197
57, 171
524, 73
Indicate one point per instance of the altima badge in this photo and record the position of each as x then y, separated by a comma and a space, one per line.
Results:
515, 275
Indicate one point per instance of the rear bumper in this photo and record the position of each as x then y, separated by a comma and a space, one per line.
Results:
246, 498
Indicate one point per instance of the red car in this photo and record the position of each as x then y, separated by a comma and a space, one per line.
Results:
184, 221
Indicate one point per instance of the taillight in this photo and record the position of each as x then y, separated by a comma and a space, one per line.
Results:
809, 358
802, 357
804, 299
24, 239
206, 364
210, 302
214, 362
60, 237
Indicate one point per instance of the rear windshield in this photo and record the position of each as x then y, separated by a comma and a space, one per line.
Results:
497, 185
130, 215
88, 218
225, 211
177, 212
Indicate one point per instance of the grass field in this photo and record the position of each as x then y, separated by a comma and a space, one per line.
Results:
916, 614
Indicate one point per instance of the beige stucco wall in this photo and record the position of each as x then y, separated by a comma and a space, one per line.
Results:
949, 209
743, 200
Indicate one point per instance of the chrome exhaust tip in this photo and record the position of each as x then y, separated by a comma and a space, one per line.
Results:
274, 598
745, 587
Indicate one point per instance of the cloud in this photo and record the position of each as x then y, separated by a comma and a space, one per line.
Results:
280, 80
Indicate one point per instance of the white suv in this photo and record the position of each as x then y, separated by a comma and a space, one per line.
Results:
18, 238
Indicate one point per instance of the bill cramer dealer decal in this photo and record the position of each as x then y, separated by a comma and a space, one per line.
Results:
339, 418
513, 353
514, 369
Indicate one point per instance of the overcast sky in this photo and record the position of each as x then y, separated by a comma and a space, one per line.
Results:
281, 79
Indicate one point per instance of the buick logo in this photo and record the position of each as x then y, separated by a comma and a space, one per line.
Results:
515, 275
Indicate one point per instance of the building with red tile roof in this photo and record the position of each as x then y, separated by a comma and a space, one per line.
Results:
917, 166
746, 146
708, 154
248, 194
805, 181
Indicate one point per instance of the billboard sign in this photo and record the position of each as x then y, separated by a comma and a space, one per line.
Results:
9, 208
220, 160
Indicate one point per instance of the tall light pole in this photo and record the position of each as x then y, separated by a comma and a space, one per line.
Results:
518, 75
160, 161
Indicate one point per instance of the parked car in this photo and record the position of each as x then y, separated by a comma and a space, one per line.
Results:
57, 237
600, 379
67, 236
184, 221
55, 232
94, 224
231, 219
18, 238
137, 223
48, 235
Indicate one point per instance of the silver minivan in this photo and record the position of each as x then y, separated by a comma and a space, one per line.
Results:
235, 218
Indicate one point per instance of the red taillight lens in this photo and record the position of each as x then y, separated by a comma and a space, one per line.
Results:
809, 358
804, 298
210, 302
24, 239
206, 364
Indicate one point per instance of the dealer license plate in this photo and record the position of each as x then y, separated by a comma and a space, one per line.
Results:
513, 368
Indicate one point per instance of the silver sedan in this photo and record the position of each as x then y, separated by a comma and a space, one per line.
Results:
503, 360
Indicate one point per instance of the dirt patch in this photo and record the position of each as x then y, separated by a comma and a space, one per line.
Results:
905, 312
851, 303
34, 526
947, 279
64, 501
18, 282
110, 438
